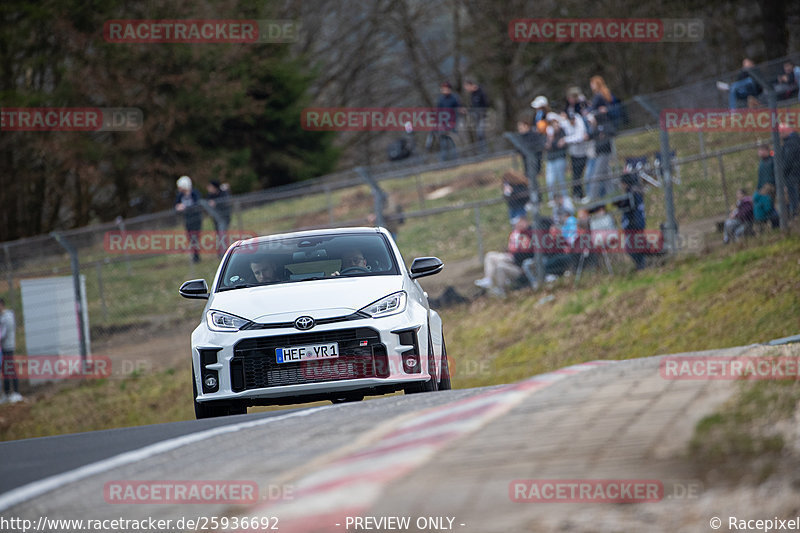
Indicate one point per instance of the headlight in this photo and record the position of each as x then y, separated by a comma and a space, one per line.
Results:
219, 321
390, 305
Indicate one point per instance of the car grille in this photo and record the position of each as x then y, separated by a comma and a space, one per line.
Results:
254, 364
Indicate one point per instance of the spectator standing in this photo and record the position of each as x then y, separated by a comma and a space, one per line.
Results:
8, 330
633, 216
556, 146
534, 141
766, 166
448, 100
603, 132
577, 147
219, 199
764, 205
479, 104
187, 202
740, 219
541, 108
575, 102
791, 167
516, 194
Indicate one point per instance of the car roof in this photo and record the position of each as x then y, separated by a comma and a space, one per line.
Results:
313, 233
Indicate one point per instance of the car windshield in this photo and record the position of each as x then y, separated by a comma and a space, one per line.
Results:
307, 258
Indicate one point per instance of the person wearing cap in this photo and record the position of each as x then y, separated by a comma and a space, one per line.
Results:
448, 100
791, 166
187, 202
541, 107
219, 201
575, 101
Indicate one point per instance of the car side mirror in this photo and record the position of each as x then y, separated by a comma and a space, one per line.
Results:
196, 288
425, 266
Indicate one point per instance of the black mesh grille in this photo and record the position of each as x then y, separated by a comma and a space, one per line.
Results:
254, 364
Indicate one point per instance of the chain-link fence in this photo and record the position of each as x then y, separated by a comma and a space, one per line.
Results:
451, 208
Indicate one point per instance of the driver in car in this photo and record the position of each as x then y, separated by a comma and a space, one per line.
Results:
353, 259
265, 270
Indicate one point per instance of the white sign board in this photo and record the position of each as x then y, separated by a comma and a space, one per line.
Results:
51, 316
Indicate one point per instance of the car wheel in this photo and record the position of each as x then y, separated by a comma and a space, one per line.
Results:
348, 398
444, 383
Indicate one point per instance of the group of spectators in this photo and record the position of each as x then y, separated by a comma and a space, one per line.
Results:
746, 87
583, 132
189, 203
761, 207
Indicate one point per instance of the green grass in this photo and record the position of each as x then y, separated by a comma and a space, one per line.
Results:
732, 296
741, 440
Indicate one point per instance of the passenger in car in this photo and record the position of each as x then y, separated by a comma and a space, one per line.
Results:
265, 270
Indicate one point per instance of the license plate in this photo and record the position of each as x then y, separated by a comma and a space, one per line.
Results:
309, 352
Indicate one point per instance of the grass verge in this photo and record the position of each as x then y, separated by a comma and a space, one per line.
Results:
730, 296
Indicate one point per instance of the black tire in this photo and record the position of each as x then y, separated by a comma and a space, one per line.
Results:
345, 398
444, 383
214, 409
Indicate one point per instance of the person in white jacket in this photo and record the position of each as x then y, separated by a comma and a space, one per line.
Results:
578, 147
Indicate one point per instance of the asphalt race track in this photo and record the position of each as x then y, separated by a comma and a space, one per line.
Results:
438, 461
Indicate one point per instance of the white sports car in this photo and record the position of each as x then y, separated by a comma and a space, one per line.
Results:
314, 315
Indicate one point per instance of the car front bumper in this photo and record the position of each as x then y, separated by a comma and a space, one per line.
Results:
372, 357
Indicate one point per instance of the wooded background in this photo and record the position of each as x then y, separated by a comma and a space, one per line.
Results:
232, 111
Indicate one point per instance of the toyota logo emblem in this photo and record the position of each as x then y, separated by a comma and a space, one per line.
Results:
304, 322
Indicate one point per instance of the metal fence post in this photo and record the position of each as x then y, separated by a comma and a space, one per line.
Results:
121, 225
772, 100
76, 280
671, 225
99, 269
377, 193
725, 192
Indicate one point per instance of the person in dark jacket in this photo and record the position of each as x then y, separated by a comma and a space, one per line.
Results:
740, 219
633, 216
556, 147
187, 202
764, 205
516, 194
479, 103
766, 167
791, 167
448, 100
745, 85
219, 200
534, 141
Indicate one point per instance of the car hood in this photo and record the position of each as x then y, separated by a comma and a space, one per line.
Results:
318, 299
